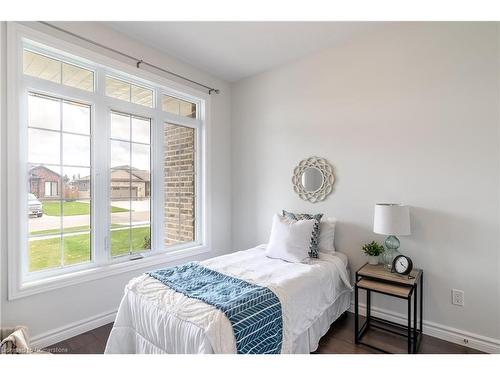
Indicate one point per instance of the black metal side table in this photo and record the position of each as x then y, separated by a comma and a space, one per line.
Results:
375, 278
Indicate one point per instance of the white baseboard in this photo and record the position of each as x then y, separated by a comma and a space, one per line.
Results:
65, 332
457, 336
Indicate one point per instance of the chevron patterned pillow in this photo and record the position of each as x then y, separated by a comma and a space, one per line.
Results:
314, 246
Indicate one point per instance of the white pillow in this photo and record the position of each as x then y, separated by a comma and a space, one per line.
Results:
327, 235
290, 239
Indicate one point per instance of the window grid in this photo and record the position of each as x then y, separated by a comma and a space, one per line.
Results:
131, 226
86, 83
180, 107
129, 92
60, 188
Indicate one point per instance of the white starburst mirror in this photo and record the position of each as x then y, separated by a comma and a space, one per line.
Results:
313, 179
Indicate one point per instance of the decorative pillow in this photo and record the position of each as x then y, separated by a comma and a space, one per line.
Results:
290, 239
314, 244
327, 235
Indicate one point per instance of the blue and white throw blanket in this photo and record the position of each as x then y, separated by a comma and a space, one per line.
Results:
254, 311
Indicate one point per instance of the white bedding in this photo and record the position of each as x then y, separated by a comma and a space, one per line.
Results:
153, 318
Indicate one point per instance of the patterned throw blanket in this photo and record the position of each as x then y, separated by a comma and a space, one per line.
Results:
254, 311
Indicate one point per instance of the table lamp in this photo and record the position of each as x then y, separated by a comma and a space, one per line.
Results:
391, 219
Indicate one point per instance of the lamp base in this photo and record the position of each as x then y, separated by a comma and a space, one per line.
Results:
391, 252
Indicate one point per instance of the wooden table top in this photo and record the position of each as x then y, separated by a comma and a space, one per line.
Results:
379, 272
399, 290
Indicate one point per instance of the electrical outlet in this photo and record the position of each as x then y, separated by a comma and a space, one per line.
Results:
457, 297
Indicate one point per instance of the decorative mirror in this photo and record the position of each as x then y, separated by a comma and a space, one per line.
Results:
313, 179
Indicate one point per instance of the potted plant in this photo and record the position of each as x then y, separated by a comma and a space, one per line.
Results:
373, 250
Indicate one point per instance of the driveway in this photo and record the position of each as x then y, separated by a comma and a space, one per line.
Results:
54, 222
140, 215
137, 206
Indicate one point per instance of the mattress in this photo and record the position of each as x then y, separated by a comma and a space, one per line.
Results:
153, 318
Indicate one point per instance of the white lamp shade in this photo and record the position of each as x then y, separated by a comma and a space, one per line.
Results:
391, 219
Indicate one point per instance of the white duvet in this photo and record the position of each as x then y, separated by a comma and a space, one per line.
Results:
152, 318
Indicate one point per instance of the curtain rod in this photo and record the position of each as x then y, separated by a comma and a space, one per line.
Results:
138, 61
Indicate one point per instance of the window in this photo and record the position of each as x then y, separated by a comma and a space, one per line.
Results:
59, 140
130, 184
179, 175
107, 175
131, 93
50, 69
178, 106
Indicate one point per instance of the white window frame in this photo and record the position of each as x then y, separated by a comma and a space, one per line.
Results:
20, 282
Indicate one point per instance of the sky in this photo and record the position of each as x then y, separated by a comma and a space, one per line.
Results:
130, 137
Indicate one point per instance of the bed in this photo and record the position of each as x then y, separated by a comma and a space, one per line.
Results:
153, 318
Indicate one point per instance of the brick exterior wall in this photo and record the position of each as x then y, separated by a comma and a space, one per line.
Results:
38, 176
179, 181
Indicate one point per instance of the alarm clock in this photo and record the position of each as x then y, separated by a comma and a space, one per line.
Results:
402, 265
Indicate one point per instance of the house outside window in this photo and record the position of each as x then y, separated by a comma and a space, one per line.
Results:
44, 182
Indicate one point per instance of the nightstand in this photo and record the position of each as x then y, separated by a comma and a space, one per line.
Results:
375, 278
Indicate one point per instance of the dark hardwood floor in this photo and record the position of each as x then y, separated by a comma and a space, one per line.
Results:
91, 342
338, 340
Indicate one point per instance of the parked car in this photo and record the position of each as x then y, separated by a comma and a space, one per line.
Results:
35, 207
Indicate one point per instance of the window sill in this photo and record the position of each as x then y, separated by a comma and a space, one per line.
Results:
99, 272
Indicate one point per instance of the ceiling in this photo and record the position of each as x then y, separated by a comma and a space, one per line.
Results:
235, 50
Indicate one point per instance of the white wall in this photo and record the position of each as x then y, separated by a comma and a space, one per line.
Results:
406, 113
48, 312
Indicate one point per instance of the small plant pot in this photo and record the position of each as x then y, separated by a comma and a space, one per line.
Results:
373, 259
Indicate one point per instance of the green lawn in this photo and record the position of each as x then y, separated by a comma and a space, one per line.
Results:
46, 253
120, 240
72, 208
